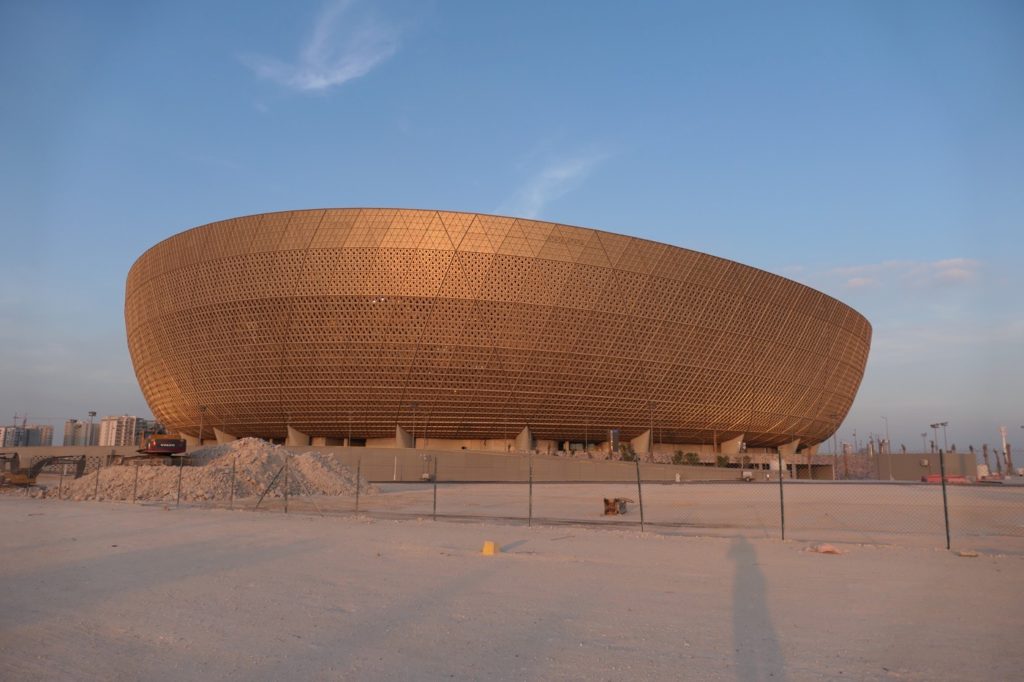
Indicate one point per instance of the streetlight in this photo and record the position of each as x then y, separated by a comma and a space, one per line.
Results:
508, 446
935, 428
833, 416
401, 408
414, 406
835, 429
650, 440
202, 413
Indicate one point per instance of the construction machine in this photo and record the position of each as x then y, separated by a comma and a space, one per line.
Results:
157, 450
163, 445
11, 472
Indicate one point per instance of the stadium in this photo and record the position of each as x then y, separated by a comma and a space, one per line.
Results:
420, 328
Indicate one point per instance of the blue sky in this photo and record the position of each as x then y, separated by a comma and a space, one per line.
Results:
873, 150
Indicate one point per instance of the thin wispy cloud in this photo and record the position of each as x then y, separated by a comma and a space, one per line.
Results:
906, 273
914, 341
861, 282
554, 180
340, 48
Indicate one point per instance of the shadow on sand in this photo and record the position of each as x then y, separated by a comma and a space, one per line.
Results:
758, 656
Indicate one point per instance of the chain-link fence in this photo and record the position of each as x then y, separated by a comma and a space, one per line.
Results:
669, 499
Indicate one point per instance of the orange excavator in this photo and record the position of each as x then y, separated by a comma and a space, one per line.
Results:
157, 450
163, 445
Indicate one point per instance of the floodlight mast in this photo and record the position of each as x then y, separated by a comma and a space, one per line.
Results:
935, 428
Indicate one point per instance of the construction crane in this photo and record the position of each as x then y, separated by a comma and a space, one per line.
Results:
24, 419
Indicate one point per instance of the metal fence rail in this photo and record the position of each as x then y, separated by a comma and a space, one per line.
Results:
978, 516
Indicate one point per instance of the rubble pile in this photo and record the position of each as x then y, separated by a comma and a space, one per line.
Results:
256, 463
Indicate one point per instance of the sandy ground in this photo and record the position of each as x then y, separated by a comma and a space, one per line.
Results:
982, 518
116, 591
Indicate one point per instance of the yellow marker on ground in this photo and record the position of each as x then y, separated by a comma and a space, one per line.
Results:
489, 548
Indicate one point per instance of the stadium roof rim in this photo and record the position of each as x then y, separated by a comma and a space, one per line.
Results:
494, 215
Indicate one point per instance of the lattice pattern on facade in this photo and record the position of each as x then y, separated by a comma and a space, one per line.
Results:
473, 326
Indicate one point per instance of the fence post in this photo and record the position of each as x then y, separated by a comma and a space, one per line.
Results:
96, 489
945, 504
639, 493
135, 483
435, 487
359, 467
267, 489
782, 501
60, 486
181, 465
286, 483
529, 517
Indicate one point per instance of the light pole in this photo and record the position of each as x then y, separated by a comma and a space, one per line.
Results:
414, 406
835, 454
650, 441
202, 413
935, 428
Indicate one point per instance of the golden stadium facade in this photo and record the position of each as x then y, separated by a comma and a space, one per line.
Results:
465, 327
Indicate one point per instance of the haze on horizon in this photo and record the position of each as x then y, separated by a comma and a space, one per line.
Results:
874, 151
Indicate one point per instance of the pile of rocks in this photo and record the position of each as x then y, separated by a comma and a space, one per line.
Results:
255, 463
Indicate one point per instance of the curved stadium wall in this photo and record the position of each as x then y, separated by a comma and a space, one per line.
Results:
467, 326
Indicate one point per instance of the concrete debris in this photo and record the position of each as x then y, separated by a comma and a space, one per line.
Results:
256, 463
824, 549
967, 553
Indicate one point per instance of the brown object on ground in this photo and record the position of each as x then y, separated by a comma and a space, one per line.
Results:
967, 553
825, 549
615, 506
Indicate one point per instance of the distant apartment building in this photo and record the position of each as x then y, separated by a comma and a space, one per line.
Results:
11, 436
124, 430
39, 434
71, 430
78, 432
29, 434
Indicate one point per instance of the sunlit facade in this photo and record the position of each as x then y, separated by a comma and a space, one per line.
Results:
460, 326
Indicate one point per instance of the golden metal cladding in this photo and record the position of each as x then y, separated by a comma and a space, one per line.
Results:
469, 326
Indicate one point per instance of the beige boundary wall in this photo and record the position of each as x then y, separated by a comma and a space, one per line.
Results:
389, 464
406, 465
911, 467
